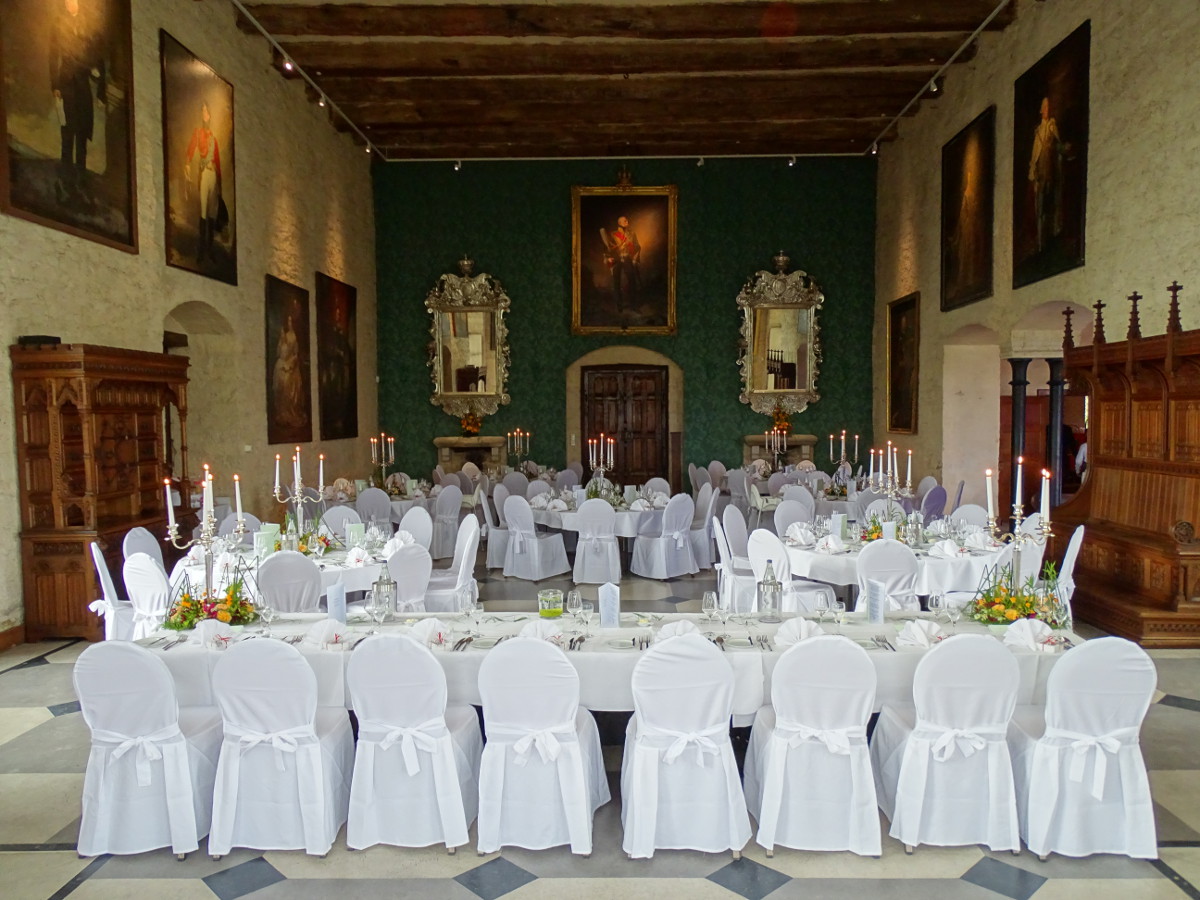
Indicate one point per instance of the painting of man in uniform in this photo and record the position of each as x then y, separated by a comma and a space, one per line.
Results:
66, 97
968, 177
289, 398
201, 222
624, 260
1050, 137
337, 362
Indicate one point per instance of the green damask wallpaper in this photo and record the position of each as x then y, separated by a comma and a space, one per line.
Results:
514, 220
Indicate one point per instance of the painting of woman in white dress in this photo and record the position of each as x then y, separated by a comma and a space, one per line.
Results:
289, 398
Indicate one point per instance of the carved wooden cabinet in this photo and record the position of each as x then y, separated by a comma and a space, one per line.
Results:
91, 458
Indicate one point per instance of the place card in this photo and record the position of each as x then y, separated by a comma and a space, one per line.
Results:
876, 601
838, 525
610, 606
335, 599
889, 531
272, 527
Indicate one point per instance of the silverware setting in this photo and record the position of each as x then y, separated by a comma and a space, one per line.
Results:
883, 643
182, 639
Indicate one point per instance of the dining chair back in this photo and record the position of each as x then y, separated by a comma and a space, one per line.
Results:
516, 483
668, 554
531, 556
140, 540
410, 566
117, 613
894, 564
735, 531
924, 486
374, 504
716, 476
597, 555
336, 519
661, 486
229, 524
791, 511
971, 513
290, 582
419, 524
537, 486
446, 516
933, 505
148, 591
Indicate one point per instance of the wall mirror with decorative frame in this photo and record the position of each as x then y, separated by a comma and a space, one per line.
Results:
468, 353
781, 348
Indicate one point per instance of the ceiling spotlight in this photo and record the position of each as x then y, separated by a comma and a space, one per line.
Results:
321, 101
458, 165
792, 161
287, 65
700, 161
933, 86
368, 148
874, 149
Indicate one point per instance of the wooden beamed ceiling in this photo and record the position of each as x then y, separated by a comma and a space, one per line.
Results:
655, 78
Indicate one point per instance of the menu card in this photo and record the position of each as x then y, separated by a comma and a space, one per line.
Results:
838, 525
335, 599
876, 601
264, 543
889, 531
610, 606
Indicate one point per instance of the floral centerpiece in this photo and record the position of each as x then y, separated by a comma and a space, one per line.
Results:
780, 419
470, 424
1003, 598
604, 489
873, 530
231, 607
835, 491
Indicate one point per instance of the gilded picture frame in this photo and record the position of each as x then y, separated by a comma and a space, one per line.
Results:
623, 259
968, 204
288, 355
337, 358
903, 372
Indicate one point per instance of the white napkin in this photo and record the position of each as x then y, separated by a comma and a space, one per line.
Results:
328, 633
919, 633
539, 501
806, 465
979, 541
831, 543
540, 628
357, 557
940, 527
226, 562
1030, 634
802, 534
430, 631
674, 629
640, 504
417, 494
396, 541
213, 635
945, 549
557, 505
660, 500
795, 630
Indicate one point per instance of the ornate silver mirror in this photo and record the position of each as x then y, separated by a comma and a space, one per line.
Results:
781, 351
468, 355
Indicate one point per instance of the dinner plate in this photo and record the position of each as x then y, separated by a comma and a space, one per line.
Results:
484, 643
622, 644
738, 643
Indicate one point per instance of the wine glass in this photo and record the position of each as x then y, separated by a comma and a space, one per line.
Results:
585, 612
376, 609
822, 602
839, 614
953, 613
724, 610
708, 605
937, 605
574, 604
266, 614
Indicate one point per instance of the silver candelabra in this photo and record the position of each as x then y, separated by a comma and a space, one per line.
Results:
383, 454
1019, 538
208, 531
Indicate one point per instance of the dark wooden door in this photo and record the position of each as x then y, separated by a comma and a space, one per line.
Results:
629, 403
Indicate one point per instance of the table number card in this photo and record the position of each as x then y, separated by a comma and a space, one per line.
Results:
838, 525
876, 601
335, 599
264, 543
889, 531
610, 606
272, 527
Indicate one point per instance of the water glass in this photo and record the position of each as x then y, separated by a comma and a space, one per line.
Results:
266, 614
937, 605
574, 604
822, 603
708, 605
839, 614
585, 613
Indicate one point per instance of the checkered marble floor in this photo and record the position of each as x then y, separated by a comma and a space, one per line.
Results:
44, 746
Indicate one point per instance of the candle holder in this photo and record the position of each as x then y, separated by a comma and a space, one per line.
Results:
1017, 537
383, 454
295, 497
206, 538
518, 446
601, 455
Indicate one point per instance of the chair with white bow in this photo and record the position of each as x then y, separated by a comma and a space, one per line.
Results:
597, 556
808, 770
448, 587
374, 504
679, 780
530, 555
409, 566
283, 779
446, 517
150, 771
542, 777
139, 540
1066, 577
737, 589
416, 764
497, 534
419, 524
669, 553
499, 495
290, 582
149, 593
894, 564
943, 773
1081, 780
799, 594
118, 614
701, 531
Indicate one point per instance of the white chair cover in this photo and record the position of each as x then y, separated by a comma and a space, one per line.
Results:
446, 518
971, 513
734, 522
791, 511
537, 486
448, 586
933, 504
229, 523
739, 495
516, 483
865, 499
470, 470
118, 614
149, 593
336, 518
150, 771
699, 480
542, 775
419, 524
1081, 781
577, 468
736, 586
942, 769
660, 486
800, 493
283, 780
808, 770
1066, 577
701, 531
410, 567
669, 554
374, 503
760, 504
692, 477
530, 555
139, 540
290, 582
597, 556
893, 563
799, 595
924, 486
465, 483
958, 494
884, 509
497, 535
499, 495
776, 483
416, 764
716, 475
679, 780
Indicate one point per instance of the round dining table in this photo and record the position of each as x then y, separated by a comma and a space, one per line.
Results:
935, 575
188, 573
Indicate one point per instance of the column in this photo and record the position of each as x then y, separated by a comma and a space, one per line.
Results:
1055, 448
1019, 382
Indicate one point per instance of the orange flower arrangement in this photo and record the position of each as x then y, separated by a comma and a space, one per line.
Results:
230, 607
470, 424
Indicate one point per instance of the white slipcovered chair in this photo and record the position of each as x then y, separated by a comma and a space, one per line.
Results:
229, 523
151, 768
679, 780
1081, 780
1066, 577
958, 494
884, 509
971, 513
716, 476
290, 582
446, 517
798, 493
739, 496
530, 555
416, 762
541, 778
699, 479
668, 554
410, 566
499, 495
736, 588
447, 587
118, 614
577, 468
283, 779
419, 524
597, 556
465, 483
924, 486
776, 483
791, 511
375, 504
943, 773
865, 499
895, 564
701, 531
808, 769
470, 470
661, 486
799, 595
149, 593
139, 540
537, 486
516, 483
734, 522
497, 535
336, 518
759, 505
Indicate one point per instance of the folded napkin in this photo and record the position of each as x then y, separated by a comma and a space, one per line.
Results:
795, 630
396, 541
802, 534
660, 500
979, 541
674, 629
945, 549
227, 562
539, 501
213, 635
328, 633
640, 504
1030, 634
357, 557
435, 490
196, 554
430, 631
547, 631
831, 543
417, 494
919, 633
557, 505
806, 465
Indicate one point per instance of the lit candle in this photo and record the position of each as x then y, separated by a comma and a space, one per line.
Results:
237, 498
856, 448
1045, 506
612, 452
831, 446
843, 443
1017, 494
207, 501
528, 437
391, 451
987, 477
321, 473
170, 504
783, 433
871, 466
908, 480
277, 473
889, 459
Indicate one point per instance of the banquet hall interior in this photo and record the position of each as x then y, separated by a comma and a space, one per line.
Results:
675, 259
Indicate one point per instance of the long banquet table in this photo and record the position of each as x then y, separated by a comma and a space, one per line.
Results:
934, 575
333, 570
628, 522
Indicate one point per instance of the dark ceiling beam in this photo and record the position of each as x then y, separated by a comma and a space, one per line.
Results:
464, 58
629, 19
635, 147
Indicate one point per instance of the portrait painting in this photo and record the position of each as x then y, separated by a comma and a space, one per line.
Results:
289, 398
66, 97
903, 344
968, 201
198, 165
623, 260
1050, 140
337, 360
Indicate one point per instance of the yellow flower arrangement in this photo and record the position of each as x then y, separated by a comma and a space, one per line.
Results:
1002, 600
780, 419
231, 607
873, 530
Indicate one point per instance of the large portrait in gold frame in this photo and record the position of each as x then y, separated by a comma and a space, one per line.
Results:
623, 259
903, 344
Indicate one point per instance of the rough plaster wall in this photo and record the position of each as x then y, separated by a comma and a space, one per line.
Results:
1142, 205
304, 195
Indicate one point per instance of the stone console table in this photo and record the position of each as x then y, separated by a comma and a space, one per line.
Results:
800, 447
483, 450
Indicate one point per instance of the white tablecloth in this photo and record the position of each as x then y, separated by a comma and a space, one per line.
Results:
629, 523
933, 575
826, 507
332, 565
400, 507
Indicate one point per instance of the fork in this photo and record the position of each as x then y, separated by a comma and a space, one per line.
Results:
883, 643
